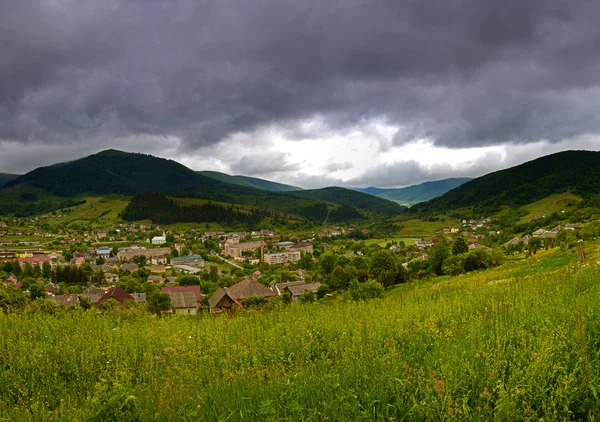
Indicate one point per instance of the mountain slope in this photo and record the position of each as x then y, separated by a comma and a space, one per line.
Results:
415, 194
576, 171
115, 172
252, 182
5, 178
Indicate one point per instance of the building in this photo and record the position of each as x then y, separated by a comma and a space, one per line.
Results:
235, 249
157, 269
115, 293
183, 303
191, 260
298, 290
159, 240
305, 247
282, 257
129, 253
187, 269
233, 297
195, 290
104, 251
156, 279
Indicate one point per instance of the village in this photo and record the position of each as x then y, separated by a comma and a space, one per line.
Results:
218, 270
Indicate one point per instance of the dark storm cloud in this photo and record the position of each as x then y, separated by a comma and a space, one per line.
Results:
462, 73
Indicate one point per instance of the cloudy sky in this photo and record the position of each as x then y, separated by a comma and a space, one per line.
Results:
313, 93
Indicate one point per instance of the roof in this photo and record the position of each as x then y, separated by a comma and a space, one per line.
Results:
131, 266
249, 287
116, 293
216, 297
178, 289
280, 286
139, 297
93, 290
66, 300
187, 268
181, 300
299, 289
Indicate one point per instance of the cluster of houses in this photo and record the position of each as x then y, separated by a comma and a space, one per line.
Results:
541, 233
185, 300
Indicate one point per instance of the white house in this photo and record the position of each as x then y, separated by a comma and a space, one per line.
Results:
159, 240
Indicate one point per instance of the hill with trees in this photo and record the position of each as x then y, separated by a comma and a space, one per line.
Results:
116, 172
415, 194
251, 182
575, 171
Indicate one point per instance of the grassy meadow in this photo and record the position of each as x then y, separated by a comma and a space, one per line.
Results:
501, 344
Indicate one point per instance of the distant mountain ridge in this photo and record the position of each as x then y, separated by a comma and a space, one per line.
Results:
252, 182
575, 171
411, 195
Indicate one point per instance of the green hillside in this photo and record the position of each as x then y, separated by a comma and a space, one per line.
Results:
5, 178
415, 194
574, 171
115, 172
252, 182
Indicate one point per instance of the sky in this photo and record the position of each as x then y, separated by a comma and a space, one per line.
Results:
312, 93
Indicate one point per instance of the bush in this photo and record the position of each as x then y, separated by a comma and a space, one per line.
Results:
254, 302
365, 291
307, 297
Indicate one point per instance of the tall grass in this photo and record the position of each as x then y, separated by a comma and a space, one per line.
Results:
523, 348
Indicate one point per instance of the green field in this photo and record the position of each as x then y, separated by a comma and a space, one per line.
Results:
551, 204
502, 345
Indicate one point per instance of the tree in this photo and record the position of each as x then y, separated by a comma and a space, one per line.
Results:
322, 291
159, 302
188, 280
460, 246
46, 270
307, 297
341, 276
327, 263
384, 268
534, 243
435, 258
36, 291
213, 274
365, 291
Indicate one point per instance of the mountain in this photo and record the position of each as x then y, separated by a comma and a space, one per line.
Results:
415, 194
116, 172
251, 182
5, 178
575, 171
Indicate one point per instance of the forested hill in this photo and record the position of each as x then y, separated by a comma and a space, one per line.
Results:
415, 194
112, 171
347, 197
577, 171
5, 178
251, 182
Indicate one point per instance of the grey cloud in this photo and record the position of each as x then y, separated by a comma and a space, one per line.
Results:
461, 73
332, 167
262, 164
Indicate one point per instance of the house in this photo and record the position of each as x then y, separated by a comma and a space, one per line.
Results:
101, 234
233, 297
104, 251
156, 279
159, 240
93, 290
280, 287
235, 250
282, 257
549, 234
538, 233
420, 244
474, 246
187, 269
572, 226
157, 269
178, 289
79, 261
512, 241
139, 297
256, 274
299, 289
526, 238
51, 288
130, 267
395, 248
116, 293
472, 239
65, 300
12, 281
184, 303
158, 260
